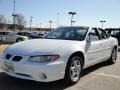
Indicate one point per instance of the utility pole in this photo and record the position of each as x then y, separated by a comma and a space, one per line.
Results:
8, 24
50, 22
30, 22
102, 23
72, 14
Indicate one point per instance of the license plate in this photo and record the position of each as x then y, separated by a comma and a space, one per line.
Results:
8, 67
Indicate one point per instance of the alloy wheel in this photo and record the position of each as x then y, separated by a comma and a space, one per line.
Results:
75, 70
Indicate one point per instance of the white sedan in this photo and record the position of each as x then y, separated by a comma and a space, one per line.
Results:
62, 53
12, 37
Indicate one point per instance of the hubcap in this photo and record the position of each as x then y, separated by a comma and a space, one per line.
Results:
75, 70
19, 40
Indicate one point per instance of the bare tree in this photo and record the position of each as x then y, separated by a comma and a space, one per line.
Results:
3, 22
20, 21
2, 19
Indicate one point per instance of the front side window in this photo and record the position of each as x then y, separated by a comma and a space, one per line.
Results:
68, 33
1, 33
94, 36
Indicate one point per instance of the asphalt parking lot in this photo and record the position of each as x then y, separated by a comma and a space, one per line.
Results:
99, 77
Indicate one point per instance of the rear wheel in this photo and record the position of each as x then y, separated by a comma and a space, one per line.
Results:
73, 70
19, 40
113, 57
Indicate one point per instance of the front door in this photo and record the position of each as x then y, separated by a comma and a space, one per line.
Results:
93, 47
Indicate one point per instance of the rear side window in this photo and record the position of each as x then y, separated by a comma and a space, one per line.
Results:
23, 33
7, 33
103, 34
18, 33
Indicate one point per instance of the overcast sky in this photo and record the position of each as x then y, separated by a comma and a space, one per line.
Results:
89, 12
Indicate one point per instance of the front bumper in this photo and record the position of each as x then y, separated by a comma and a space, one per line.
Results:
43, 72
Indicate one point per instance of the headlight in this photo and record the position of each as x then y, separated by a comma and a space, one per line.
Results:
44, 58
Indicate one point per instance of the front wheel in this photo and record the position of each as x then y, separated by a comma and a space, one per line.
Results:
73, 70
113, 57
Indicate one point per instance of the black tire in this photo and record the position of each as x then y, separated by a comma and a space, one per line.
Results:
113, 57
19, 40
68, 77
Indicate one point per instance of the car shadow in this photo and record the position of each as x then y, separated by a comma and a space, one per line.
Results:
118, 49
7, 82
94, 68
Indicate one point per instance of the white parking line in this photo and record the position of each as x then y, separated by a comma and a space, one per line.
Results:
107, 75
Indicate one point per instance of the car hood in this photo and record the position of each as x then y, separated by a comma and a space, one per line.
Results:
41, 46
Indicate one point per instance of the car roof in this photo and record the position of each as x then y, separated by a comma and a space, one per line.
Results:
73, 27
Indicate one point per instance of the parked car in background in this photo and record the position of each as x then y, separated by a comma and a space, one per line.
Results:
31, 35
62, 53
114, 33
12, 37
2, 39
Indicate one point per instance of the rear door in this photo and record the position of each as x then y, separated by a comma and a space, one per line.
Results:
105, 44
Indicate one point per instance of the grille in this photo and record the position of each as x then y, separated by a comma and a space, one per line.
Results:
8, 56
17, 58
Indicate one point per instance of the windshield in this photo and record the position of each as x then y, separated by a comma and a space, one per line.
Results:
68, 33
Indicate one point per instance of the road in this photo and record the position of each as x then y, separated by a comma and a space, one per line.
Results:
99, 77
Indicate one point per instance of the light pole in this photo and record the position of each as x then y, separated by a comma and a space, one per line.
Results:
30, 22
73, 22
102, 23
50, 22
14, 14
58, 15
72, 14
14, 23
40, 25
